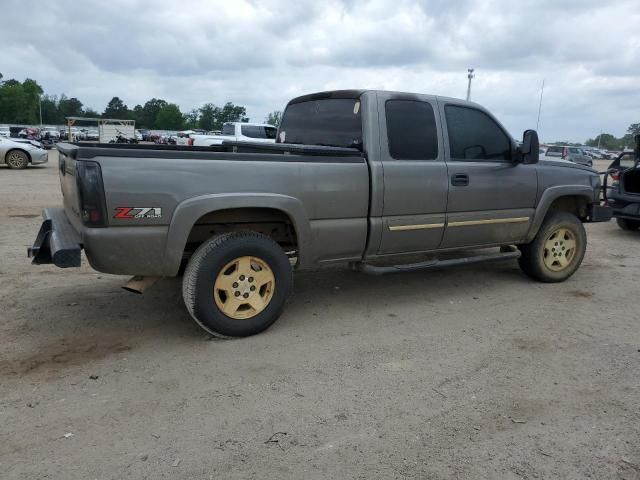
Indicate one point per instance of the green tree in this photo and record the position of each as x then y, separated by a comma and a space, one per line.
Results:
190, 120
169, 117
231, 113
634, 129
150, 111
274, 118
50, 112
19, 101
209, 114
70, 107
90, 113
116, 109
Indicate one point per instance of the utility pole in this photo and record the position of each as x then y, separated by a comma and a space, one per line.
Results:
40, 106
469, 76
599, 138
540, 107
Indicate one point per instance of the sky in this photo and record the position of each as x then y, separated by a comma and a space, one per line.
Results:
260, 54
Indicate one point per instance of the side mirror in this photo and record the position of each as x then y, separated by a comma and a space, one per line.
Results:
530, 147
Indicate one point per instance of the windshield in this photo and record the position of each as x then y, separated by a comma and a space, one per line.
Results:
332, 121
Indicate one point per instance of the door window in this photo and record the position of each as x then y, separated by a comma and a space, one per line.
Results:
411, 130
473, 135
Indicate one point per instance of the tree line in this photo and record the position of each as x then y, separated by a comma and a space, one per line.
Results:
610, 142
22, 102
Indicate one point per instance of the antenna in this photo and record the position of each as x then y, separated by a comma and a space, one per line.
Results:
540, 106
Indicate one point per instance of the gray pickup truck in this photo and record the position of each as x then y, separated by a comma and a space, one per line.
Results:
367, 178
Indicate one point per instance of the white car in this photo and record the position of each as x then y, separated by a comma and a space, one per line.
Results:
19, 153
238, 131
5, 132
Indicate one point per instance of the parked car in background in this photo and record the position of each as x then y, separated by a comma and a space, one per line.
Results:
19, 153
5, 132
623, 195
144, 134
238, 131
573, 154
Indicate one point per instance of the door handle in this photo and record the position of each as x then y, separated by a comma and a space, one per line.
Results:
460, 179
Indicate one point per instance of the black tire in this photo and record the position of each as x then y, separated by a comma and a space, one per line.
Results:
535, 256
208, 262
627, 224
16, 159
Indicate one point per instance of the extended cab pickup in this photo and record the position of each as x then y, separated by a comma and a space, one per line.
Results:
368, 178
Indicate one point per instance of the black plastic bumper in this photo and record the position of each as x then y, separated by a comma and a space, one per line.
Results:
57, 241
600, 213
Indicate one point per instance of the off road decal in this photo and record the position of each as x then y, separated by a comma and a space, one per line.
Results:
130, 213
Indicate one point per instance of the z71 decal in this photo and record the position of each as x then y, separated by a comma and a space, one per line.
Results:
129, 213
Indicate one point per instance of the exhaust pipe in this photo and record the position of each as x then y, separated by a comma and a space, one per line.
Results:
139, 284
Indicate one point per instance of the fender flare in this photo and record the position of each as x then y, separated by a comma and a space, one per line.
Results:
549, 196
188, 212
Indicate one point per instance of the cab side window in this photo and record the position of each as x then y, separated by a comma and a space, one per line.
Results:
473, 135
411, 130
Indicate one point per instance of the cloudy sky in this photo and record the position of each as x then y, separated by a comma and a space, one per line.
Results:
262, 53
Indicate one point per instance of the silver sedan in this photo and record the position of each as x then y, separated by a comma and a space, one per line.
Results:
18, 153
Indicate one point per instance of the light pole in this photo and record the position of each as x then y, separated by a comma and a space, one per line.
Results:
40, 107
469, 76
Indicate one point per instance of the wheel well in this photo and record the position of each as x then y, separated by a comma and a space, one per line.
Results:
268, 221
576, 204
18, 150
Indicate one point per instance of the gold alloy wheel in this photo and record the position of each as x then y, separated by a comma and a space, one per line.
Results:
559, 249
244, 287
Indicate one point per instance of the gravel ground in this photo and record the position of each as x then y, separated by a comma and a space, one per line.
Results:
467, 373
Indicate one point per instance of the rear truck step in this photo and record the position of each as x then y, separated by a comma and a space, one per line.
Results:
57, 241
506, 253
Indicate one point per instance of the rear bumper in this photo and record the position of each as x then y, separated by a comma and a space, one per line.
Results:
600, 213
57, 241
624, 206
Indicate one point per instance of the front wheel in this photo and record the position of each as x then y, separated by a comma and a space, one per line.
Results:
626, 224
17, 159
236, 284
557, 250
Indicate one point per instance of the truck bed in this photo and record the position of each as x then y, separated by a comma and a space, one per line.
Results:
92, 150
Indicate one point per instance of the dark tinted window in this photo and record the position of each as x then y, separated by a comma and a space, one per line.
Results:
411, 130
627, 160
331, 121
256, 131
473, 135
554, 150
228, 129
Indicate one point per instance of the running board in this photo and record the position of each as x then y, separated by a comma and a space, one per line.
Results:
367, 268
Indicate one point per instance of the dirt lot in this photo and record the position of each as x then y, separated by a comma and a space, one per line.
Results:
468, 373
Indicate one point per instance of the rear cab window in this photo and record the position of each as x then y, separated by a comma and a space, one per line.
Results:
474, 136
334, 122
258, 131
228, 129
411, 130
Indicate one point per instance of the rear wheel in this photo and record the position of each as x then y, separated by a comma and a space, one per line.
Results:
236, 284
17, 159
626, 224
557, 250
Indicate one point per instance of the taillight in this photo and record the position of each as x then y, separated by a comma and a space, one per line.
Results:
190, 142
91, 194
615, 175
